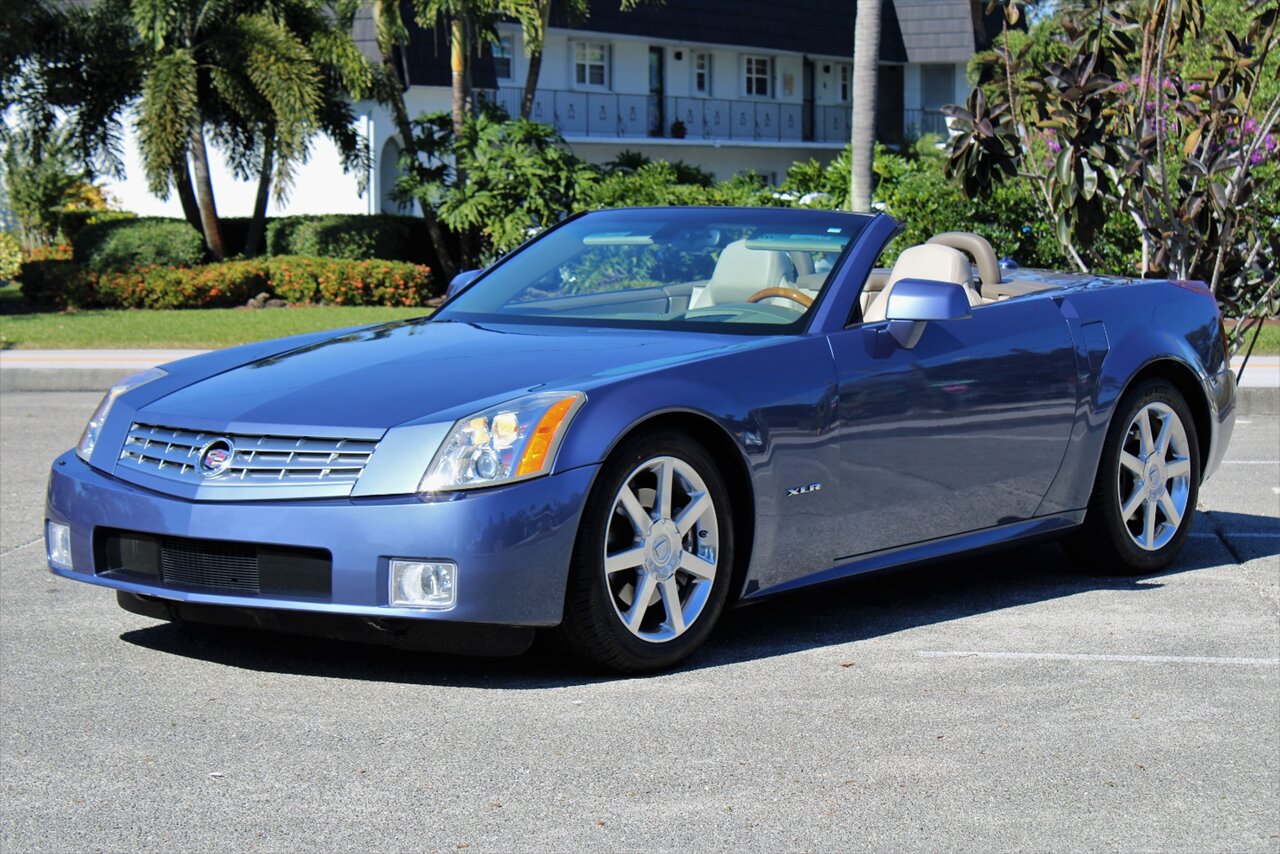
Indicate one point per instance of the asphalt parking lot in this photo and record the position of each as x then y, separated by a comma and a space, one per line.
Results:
1008, 702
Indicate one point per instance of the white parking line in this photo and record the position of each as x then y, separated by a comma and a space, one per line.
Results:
1082, 657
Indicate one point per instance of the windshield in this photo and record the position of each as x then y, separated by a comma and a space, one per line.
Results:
732, 270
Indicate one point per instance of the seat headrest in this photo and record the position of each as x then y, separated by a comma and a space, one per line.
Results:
934, 262
740, 272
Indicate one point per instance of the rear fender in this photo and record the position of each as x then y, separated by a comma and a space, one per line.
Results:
1136, 343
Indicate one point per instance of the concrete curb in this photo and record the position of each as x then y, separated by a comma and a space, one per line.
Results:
1251, 400
37, 379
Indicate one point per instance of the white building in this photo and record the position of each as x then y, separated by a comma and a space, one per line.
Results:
726, 85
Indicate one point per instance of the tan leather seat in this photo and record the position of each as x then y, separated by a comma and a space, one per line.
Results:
740, 272
927, 261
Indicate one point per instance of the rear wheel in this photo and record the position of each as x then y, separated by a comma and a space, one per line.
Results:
653, 559
1147, 484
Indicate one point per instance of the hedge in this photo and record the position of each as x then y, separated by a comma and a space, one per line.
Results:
128, 244
71, 221
354, 237
230, 283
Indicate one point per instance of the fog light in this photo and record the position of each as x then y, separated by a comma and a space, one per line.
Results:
57, 539
423, 584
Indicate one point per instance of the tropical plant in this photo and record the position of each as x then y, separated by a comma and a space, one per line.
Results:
261, 78
68, 69
10, 257
39, 178
468, 23
520, 177
1190, 159
390, 33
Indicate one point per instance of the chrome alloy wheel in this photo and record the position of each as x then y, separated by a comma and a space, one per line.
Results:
1155, 476
661, 549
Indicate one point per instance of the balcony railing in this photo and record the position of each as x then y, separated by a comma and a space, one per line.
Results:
621, 116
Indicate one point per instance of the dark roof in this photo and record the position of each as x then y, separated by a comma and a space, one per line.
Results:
823, 27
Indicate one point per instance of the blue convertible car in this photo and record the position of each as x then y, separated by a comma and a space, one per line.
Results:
641, 417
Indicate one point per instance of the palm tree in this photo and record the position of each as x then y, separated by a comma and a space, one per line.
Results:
68, 70
390, 33
345, 75
465, 21
866, 61
237, 70
535, 18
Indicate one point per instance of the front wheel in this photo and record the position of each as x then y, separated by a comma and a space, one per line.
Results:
1147, 485
654, 556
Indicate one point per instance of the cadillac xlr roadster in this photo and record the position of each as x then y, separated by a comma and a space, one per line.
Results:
642, 417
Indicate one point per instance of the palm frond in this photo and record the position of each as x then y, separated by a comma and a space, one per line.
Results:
167, 116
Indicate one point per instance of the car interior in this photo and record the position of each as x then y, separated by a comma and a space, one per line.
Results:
788, 278
768, 278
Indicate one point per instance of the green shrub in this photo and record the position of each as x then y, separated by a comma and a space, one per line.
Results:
825, 186
296, 279
121, 245
353, 237
66, 284
659, 184
72, 221
227, 284
375, 282
56, 283
10, 257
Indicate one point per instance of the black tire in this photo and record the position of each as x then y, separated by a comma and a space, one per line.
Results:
1107, 542
593, 627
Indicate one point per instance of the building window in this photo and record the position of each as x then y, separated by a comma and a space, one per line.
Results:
846, 74
757, 75
937, 86
591, 64
702, 73
502, 52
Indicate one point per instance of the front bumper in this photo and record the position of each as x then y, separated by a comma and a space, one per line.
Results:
512, 545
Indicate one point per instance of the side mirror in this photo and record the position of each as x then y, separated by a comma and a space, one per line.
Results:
914, 302
461, 281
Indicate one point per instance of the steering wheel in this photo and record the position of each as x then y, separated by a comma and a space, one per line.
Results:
786, 293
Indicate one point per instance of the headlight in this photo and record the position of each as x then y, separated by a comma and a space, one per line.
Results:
512, 441
84, 449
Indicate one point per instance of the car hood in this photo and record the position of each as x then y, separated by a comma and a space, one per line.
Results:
420, 370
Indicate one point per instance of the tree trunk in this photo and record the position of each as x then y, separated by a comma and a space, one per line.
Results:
535, 64
258, 225
866, 61
439, 242
187, 195
458, 67
204, 193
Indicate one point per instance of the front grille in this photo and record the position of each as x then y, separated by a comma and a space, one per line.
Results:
214, 565
174, 454
195, 563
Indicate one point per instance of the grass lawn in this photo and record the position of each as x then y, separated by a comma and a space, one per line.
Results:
194, 329
1268, 340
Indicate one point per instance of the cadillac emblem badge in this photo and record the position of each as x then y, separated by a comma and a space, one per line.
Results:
216, 457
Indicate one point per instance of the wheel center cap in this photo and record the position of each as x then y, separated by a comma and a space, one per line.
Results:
662, 549
1155, 480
